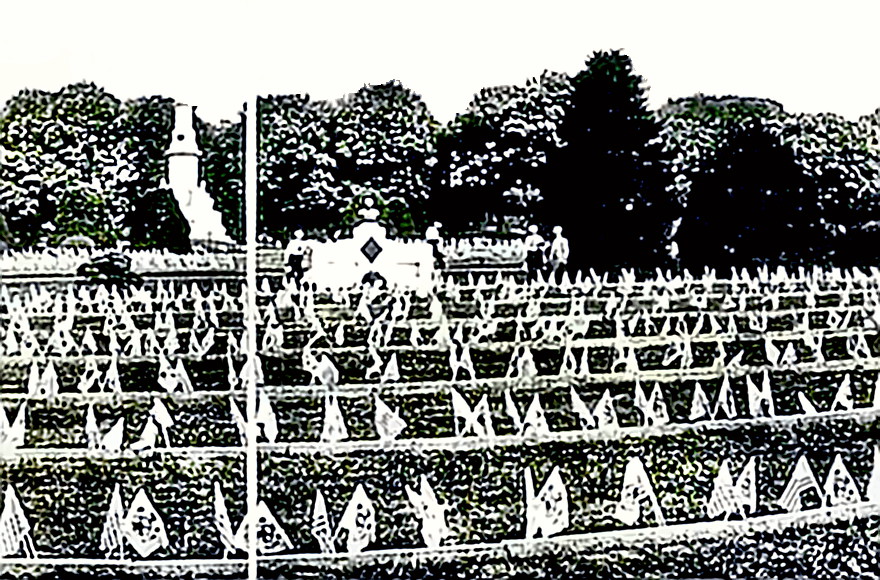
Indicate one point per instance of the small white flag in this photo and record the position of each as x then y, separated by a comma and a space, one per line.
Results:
34, 383
389, 425
4, 427
535, 422
512, 411
392, 370
159, 413
271, 537
585, 417
359, 520
789, 355
375, 370
113, 439
746, 486
148, 437
143, 526
231, 372
239, 420
636, 489
802, 480
17, 433
547, 512
758, 397
321, 525
726, 403
111, 534
875, 401
840, 487
334, 423
640, 400
700, 405
873, 492
462, 412
809, 409
265, 417
431, 513
112, 383
48, 382
90, 376
569, 361
222, 523
325, 372
658, 413
93, 433
182, 376
482, 417
167, 376
843, 399
522, 364
15, 530
773, 353
606, 415
723, 500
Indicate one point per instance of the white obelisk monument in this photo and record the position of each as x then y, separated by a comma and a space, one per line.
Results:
195, 203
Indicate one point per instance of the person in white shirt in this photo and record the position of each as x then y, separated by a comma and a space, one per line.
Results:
432, 236
535, 246
559, 252
297, 257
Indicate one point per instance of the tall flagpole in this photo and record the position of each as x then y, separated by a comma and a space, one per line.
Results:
250, 379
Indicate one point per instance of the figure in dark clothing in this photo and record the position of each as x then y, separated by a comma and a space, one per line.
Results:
535, 247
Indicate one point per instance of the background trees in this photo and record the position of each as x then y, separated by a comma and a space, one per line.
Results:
750, 204
605, 185
297, 186
81, 164
489, 158
702, 181
66, 168
222, 170
314, 156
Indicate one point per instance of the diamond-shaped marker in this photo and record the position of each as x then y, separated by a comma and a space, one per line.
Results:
371, 249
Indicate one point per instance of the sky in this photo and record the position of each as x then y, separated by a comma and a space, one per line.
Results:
809, 56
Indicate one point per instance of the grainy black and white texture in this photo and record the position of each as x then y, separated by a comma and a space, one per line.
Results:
562, 336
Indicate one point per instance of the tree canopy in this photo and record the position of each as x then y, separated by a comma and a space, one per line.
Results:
701, 181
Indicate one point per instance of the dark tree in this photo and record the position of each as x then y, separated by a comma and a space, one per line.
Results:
463, 201
605, 185
298, 188
156, 221
315, 156
489, 159
751, 204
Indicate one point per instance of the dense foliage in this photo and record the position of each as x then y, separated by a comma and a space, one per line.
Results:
703, 181
316, 157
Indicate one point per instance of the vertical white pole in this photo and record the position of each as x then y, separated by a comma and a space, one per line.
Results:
250, 321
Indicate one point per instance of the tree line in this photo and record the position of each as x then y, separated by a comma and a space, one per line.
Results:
701, 181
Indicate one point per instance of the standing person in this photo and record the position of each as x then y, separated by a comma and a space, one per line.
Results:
298, 257
432, 236
535, 245
559, 252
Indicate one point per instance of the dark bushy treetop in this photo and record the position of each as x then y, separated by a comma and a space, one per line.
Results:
605, 186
